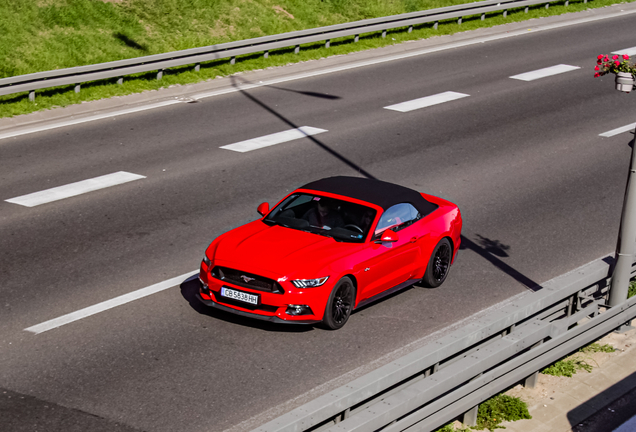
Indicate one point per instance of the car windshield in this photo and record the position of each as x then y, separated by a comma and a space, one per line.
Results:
342, 220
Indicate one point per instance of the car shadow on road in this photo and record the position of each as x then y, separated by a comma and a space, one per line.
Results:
190, 289
492, 251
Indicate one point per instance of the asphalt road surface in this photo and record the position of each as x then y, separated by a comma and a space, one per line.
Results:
540, 192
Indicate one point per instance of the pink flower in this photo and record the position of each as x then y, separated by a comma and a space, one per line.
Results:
617, 63
625, 57
606, 58
596, 75
615, 57
600, 56
597, 68
599, 62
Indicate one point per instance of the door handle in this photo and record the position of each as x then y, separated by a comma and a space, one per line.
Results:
413, 239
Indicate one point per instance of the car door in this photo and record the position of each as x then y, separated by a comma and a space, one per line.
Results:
388, 264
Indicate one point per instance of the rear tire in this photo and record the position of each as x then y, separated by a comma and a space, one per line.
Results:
340, 304
438, 264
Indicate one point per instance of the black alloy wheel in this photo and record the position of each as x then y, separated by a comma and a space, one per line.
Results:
339, 305
438, 264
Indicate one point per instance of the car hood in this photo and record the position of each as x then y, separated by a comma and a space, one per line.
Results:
258, 247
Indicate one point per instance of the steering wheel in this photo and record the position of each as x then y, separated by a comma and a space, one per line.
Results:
354, 226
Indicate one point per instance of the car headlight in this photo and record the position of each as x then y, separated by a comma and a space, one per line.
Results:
309, 283
206, 260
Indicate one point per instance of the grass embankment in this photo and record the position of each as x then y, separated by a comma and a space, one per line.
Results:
41, 35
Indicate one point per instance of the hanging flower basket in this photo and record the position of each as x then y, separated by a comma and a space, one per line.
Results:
620, 66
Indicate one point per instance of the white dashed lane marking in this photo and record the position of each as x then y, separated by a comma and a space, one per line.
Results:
545, 72
74, 189
109, 304
426, 101
273, 139
619, 130
629, 51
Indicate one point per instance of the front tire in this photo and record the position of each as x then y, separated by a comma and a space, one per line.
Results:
438, 265
340, 304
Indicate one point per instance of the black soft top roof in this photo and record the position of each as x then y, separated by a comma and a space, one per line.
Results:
373, 191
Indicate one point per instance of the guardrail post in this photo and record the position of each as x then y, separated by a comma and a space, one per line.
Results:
78, 87
470, 417
32, 95
232, 60
505, 13
547, 5
266, 54
459, 21
532, 380
567, 3
197, 67
383, 33
410, 29
120, 80
571, 305
435, 25
357, 38
297, 49
159, 74
327, 43
483, 16
526, 10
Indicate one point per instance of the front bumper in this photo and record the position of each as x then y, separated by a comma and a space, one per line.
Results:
268, 318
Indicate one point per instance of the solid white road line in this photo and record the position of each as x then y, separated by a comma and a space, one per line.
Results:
619, 130
273, 139
545, 72
108, 304
426, 101
40, 128
629, 51
73, 189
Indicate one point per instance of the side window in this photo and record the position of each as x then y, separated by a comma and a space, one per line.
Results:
397, 217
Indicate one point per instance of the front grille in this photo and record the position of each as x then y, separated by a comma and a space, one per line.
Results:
247, 280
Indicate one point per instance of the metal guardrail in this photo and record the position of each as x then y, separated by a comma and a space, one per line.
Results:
159, 62
451, 376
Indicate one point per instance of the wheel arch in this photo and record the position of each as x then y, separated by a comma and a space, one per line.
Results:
354, 280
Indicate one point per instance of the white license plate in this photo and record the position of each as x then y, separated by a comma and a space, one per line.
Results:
239, 295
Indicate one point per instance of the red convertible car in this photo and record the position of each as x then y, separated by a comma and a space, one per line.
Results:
328, 248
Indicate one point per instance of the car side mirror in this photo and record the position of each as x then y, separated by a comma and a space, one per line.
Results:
263, 209
389, 236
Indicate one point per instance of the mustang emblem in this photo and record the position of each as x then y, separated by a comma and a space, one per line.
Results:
246, 279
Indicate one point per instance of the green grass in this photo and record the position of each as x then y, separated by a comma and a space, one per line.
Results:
41, 35
632, 289
567, 368
451, 428
501, 408
576, 362
492, 412
596, 347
